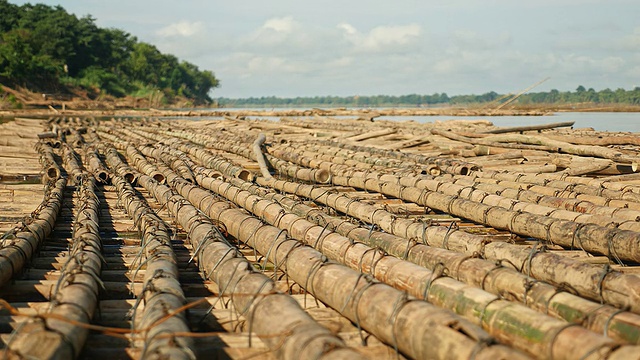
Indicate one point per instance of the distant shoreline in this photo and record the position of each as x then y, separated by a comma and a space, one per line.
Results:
362, 113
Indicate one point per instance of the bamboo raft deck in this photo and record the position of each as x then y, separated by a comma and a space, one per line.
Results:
317, 237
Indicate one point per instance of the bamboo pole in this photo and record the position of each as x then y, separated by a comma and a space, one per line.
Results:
496, 279
423, 327
276, 318
415, 280
76, 294
18, 245
259, 156
589, 281
161, 292
521, 129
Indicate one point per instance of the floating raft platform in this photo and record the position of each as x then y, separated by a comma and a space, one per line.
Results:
317, 236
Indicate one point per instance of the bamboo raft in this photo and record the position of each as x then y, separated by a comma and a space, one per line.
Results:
317, 237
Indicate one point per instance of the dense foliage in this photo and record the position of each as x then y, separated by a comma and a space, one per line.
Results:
580, 95
46, 49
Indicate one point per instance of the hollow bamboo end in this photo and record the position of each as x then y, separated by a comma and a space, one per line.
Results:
322, 176
53, 173
159, 178
245, 175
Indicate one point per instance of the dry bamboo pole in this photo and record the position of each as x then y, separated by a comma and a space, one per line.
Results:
425, 330
216, 162
599, 140
274, 317
497, 279
590, 189
161, 290
617, 214
453, 136
416, 280
18, 245
113, 160
95, 165
137, 159
161, 155
589, 237
259, 156
72, 164
372, 134
589, 281
520, 129
515, 200
564, 147
450, 166
52, 170
76, 294
282, 166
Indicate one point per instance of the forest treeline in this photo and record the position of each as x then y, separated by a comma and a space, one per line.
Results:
580, 95
46, 49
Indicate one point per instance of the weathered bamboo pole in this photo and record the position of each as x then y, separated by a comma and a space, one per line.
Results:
564, 147
73, 166
414, 279
259, 156
483, 141
590, 281
95, 165
510, 129
421, 326
161, 155
496, 279
18, 245
76, 293
590, 189
113, 160
275, 317
162, 293
372, 134
52, 170
617, 214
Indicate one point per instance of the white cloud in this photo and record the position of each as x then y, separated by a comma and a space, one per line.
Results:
381, 37
284, 24
182, 28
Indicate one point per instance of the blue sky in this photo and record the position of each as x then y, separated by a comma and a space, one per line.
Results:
308, 48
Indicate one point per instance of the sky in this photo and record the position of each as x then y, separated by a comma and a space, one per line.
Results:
290, 48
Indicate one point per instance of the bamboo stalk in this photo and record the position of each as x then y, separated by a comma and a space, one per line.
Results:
443, 291
538, 264
422, 325
289, 331
18, 245
76, 292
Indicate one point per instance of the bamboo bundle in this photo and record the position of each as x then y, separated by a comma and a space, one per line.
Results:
161, 155
537, 264
116, 164
372, 134
497, 279
424, 327
487, 142
73, 165
617, 214
567, 185
95, 165
76, 294
289, 331
415, 280
20, 244
52, 170
162, 293
284, 167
